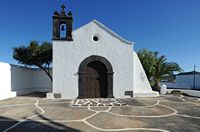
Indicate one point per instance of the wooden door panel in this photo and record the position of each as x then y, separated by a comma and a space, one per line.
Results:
95, 80
92, 87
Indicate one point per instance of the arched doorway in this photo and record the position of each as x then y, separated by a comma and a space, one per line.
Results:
95, 78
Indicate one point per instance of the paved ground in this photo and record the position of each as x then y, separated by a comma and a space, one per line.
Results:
174, 113
194, 93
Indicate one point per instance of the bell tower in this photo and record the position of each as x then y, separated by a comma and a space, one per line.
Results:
62, 25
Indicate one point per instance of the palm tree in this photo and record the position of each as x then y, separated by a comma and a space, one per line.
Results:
148, 60
156, 67
163, 68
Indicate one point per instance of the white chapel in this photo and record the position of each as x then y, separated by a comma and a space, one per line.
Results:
89, 62
94, 62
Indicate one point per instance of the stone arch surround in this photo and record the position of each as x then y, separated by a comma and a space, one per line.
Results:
110, 73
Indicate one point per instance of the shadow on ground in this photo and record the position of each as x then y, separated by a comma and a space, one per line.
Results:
32, 126
35, 94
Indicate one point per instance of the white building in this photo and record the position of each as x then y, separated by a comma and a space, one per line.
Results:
93, 61
185, 80
90, 62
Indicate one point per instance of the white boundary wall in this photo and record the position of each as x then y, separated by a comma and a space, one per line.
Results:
184, 82
5, 81
19, 80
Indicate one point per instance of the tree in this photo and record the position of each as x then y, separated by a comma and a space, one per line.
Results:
148, 60
163, 68
35, 55
156, 67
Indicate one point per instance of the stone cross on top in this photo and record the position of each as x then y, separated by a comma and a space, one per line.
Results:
63, 7
60, 20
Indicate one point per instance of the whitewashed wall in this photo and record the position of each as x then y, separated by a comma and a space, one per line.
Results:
128, 76
67, 57
18, 80
21, 79
41, 82
185, 82
5, 81
141, 86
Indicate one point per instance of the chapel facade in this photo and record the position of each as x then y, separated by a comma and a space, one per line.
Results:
94, 62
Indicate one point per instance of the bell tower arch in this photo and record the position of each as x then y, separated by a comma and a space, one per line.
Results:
62, 25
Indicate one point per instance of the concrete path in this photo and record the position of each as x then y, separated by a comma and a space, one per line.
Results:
162, 114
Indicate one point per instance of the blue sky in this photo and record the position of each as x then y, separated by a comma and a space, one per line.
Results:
171, 27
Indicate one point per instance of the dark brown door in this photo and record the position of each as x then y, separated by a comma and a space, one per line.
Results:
95, 80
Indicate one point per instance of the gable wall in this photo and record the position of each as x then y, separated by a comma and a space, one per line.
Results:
67, 57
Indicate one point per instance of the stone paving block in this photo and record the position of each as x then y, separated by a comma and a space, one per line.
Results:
139, 113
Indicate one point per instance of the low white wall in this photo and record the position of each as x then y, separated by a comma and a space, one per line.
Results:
188, 80
19, 80
5, 81
184, 82
41, 82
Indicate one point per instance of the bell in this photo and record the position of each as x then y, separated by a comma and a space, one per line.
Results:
62, 28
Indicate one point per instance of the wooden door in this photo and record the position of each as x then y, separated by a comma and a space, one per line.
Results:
92, 87
95, 80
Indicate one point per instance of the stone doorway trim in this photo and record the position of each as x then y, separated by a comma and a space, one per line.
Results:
81, 81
